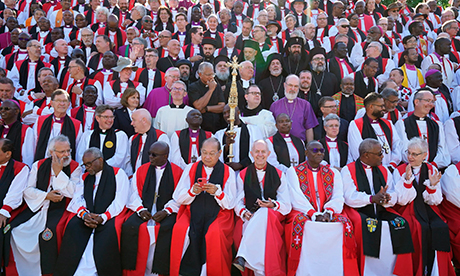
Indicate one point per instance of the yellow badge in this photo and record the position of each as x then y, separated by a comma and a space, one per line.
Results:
109, 144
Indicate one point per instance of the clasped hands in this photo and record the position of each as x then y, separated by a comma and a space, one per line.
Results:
206, 187
382, 197
158, 217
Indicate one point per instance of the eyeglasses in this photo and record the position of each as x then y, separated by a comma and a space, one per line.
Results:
200, 34
106, 117
166, 36
330, 106
89, 164
23, 39
148, 21
36, 46
5, 108
69, 151
428, 101
393, 102
345, 26
255, 93
319, 59
316, 150
376, 153
413, 154
177, 89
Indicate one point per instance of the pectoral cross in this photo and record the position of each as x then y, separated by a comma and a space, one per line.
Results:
293, 162
424, 137
194, 158
155, 198
386, 148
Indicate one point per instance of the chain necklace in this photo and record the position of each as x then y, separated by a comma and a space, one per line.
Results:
318, 90
275, 93
287, 110
297, 67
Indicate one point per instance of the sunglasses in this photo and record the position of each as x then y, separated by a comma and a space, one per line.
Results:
316, 150
148, 21
23, 39
345, 26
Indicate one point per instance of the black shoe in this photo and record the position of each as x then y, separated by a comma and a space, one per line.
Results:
239, 263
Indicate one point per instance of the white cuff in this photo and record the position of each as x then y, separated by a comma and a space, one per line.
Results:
139, 212
5, 213
219, 190
313, 218
104, 218
411, 179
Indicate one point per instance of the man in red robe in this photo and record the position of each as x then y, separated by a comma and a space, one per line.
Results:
146, 235
206, 192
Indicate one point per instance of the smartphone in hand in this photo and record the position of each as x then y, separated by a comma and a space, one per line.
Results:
202, 181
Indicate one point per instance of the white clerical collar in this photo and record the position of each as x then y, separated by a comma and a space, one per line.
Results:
331, 139
4, 164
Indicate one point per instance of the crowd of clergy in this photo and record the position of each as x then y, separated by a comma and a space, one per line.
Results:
120, 155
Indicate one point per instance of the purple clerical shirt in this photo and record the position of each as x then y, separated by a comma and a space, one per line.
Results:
301, 114
157, 98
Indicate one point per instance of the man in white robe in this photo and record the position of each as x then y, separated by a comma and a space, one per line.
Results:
51, 183
262, 202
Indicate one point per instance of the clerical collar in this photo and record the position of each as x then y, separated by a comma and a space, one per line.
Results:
411, 67
194, 132
89, 107
58, 120
4, 164
181, 33
68, 26
172, 105
61, 58
438, 56
106, 70
285, 135
434, 90
311, 168
365, 165
329, 139
373, 121
162, 167
20, 51
346, 95
419, 118
104, 131
174, 58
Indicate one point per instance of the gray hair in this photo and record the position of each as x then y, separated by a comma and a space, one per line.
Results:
141, 41
259, 141
203, 66
299, 33
29, 43
351, 77
367, 145
341, 21
104, 10
418, 143
331, 117
225, 10
141, 9
60, 138
43, 69
94, 151
290, 15
376, 44
387, 92
170, 70
87, 29
292, 76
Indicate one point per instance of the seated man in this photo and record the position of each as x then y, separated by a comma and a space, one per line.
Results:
207, 192
242, 140
172, 117
312, 243
49, 126
113, 143
146, 234
419, 124
368, 189
13, 177
254, 114
21, 135
140, 142
419, 193
51, 185
262, 202
286, 150
328, 105
42, 106
186, 144
90, 241
336, 150
348, 102
373, 126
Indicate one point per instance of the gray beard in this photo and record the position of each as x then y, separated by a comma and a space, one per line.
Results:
222, 76
185, 78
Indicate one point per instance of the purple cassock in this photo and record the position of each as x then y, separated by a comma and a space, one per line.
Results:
301, 114
159, 97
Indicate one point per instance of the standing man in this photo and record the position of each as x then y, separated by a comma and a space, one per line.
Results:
299, 110
348, 102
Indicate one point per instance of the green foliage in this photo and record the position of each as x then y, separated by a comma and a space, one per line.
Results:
413, 3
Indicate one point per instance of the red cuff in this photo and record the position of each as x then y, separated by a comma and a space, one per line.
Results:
434, 164
393, 164
169, 210
241, 211
139, 208
80, 209
190, 193
330, 209
7, 208
430, 191
39, 111
108, 215
221, 196
311, 212
408, 185
30, 98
